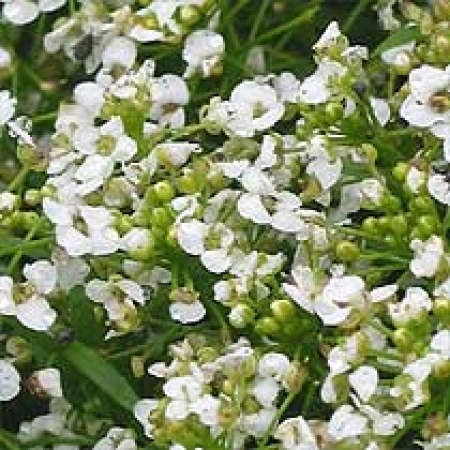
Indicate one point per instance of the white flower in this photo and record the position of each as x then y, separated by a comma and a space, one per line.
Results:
99, 238
169, 93
207, 409
338, 298
117, 439
7, 107
296, 434
118, 298
317, 88
329, 37
346, 422
29, 305
21, 12
326, 170
415, 303
364, 381
175, 153
182, 391
212, 242
424, 107
427, 256
253, 107
9, 381
262, 99
103, 147
49, 381
203, 50
304, 289
273, 365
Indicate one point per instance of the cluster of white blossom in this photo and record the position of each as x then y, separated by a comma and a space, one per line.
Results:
286, 240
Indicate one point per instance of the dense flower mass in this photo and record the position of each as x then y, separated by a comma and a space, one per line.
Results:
224, 225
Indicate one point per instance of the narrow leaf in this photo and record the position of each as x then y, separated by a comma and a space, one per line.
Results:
403, 36
104, 375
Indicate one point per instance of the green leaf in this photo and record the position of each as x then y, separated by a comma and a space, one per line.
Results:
82, 317
104, 375
402, 36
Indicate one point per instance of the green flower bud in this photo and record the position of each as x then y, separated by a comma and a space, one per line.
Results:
138, 366
33, 197
283, 310
267, 326
241, 316
400, 171
164, 191
347, 251
441, 309
403, 338
370, 225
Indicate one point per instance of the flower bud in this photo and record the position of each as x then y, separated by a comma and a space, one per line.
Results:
283, 310
241, 315
139, 243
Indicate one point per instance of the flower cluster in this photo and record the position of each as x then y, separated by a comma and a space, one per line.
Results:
202, 248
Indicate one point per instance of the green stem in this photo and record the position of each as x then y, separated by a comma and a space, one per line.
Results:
16, 258
9, 441
281, 410
45, 117
361, 5
18, 179
305, 16
258, 20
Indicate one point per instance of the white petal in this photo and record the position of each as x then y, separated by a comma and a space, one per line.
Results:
250, 207
7, 305
329, 312
142, 411
96, 217
216, 261
418, 114
36, 314
132, 290
187, 312
381, 110
439, 188
50, 381
255, 181
120, 51
191, 236
364, 381
58, 213
89, 95
20, 12
9, 381
289, 222
104, 241
72, 241
51, 5
42, 275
